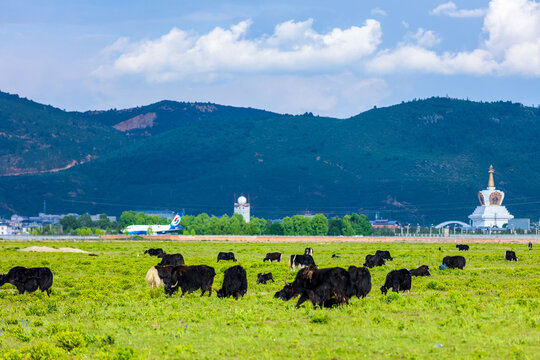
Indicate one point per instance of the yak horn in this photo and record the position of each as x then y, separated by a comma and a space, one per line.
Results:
174, 284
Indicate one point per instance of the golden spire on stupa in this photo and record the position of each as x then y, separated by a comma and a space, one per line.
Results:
491, 183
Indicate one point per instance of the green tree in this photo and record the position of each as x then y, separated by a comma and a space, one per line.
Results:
127, 218
85, 221
287, 225
364, 226
302, 225
319, 225
103, 221
347, 228
335, 225
274, 228
237, 225
69, 222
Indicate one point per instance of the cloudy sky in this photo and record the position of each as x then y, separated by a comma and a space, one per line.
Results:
334, 58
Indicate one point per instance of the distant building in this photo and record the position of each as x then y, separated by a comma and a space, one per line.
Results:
242, 207
5, 230
519, 224
383, 223
96, 218
167, 214
490, 213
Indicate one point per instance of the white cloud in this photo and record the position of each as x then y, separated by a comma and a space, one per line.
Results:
512, 46
514, 35
450, 9
378, 11
426, 38
294, 46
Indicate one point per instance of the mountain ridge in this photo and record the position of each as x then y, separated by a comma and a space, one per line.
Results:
419, 161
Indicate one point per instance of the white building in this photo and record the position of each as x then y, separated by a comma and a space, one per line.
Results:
5, 230
241, 206
490, 213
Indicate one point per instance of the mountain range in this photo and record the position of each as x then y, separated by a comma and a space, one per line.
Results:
421, 161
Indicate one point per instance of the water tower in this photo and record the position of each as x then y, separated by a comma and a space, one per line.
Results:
241, 206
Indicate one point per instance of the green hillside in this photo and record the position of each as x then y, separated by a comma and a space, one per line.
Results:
421, 161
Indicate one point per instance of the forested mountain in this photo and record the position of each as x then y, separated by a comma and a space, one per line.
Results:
419, 161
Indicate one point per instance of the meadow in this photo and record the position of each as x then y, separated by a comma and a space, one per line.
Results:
101, 307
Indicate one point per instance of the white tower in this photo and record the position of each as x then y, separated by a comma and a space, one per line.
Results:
241, 206
491, 213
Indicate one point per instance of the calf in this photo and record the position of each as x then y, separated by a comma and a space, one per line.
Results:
300, 261
308, 251
154, 252
263, 278
510, 255
226, 256
234, 283
384, 254
374, 260
188, 278
330, 286
29, 280
360, 280
453, 262
397, 280
171, 260
152, 278
273, 256
462, 247
421, 271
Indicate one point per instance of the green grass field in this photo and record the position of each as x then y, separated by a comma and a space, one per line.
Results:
102, 308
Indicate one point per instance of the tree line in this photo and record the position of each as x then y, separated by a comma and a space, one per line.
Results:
204, 224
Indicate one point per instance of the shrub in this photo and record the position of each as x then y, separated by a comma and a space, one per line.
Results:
69, 340
320, 319
41, 351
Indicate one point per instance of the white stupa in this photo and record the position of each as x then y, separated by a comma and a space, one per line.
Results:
241, 206
491, 213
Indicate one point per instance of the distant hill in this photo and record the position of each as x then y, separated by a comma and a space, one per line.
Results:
421, 161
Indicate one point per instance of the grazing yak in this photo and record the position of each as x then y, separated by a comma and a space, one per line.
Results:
374, 260
273, 256
155, 252
29, 280
263, 278
234, 283
226, 256
510, 255
384, 254
397, 280
462, 247
308, 251
453, 262
331, 286
421, 271
300, 261
171, 260
187, 278
335, 256
360, 280
152, 278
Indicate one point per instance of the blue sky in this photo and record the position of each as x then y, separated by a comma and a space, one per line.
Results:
331, 58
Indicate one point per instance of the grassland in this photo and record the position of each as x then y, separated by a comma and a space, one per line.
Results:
101, 307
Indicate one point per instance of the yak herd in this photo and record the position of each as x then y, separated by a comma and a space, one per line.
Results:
326, 287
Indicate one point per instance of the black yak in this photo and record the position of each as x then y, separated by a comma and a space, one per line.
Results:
453, 262
234, 283
29, 280
397, 280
